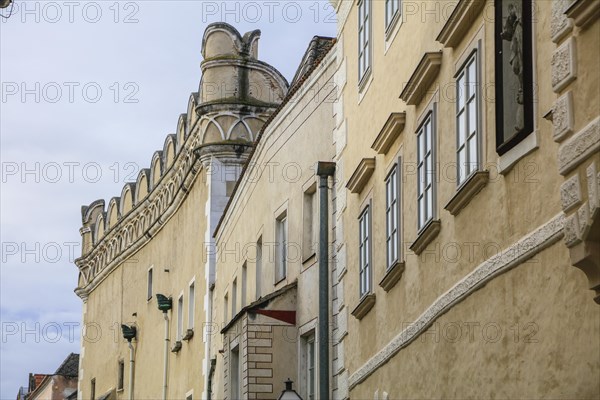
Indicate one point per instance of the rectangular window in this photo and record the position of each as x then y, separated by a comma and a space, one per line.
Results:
234, 298
514, 72
258, 267
225, 308
467, 120
391, 11
425, 171
121, 375
392, 215
234, 369
180, 318
149, 293
191, 305
364, 240
281, 247
364, 38
244, 284
310, 220
309, 366
93, 389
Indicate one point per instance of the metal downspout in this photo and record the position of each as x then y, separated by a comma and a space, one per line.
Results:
164, 395
324, 171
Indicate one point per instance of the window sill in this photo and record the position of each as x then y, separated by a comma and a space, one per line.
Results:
176, 347
365, 305
392, 31
467, 191
426, 235
507, 160
310, 260
120, 390
277, 282
364, 84
392, 276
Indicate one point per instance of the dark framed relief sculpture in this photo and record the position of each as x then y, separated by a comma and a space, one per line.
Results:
514, 72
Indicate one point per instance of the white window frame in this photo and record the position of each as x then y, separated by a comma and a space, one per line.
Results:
468, 116
392, 11
309, 353
310, 218
235, 373
364, 251
149, 283
393, 216
191, 303
244, 288
364, 40
179, 317
426, 170
281, 240
225, 308
258, 264
121, 375
234, 298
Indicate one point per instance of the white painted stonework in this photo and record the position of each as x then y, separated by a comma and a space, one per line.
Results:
564, 65
570, 193
579, 147
562, 116
560, 25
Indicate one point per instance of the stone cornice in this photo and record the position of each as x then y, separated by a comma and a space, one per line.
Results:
583, 12
364, 306
460, 21
361, 175
467, 191
427, 234
391, 130
422, 78
511, 257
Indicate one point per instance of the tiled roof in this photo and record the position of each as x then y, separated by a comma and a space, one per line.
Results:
317, 49
69, 367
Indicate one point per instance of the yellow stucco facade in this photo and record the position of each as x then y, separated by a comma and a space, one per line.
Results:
477, 293
453, 227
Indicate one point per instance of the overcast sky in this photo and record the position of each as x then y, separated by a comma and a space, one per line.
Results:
89, 92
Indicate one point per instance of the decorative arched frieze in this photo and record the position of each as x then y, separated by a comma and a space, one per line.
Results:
100, 227
114, 212
156, 169
191, 116
127, 198
142, 185
170, 150
213, 132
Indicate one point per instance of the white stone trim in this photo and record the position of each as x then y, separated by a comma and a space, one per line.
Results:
507, 160
579, 147
560, 25
541, 238
570, 193
564, 65
563, 117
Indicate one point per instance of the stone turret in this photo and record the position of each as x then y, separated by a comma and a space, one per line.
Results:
237, 95
237, 91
